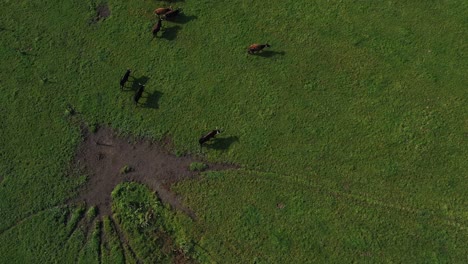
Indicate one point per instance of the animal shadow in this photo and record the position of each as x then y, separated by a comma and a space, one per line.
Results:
270, 53
5, 29
135, 81
170, 33
152, 100
182, 19
222, 143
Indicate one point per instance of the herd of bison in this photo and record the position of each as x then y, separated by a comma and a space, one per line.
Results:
170, 14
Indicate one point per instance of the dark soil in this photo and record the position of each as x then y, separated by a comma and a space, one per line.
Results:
103, 154
102, 12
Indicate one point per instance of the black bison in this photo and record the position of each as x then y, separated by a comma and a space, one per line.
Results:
125, 78
208, 136
257, 48
139, 93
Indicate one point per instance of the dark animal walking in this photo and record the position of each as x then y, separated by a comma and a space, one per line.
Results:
125, 78
162, 10
208, 136
257, 48
139, 93
157, 28
172, 14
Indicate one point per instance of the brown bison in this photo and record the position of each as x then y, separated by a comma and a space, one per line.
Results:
162, 10
157, 28
257, 48
125, 78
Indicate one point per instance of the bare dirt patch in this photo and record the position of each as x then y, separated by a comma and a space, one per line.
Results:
103, 154
280, 205
102, 12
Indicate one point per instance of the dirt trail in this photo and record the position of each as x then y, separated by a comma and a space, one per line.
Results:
103, 154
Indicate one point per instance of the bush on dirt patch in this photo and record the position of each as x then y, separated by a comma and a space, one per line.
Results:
126, 169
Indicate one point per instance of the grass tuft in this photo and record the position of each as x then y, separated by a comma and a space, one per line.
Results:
126, 169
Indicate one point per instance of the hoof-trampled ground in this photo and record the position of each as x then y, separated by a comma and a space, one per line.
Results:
103, 155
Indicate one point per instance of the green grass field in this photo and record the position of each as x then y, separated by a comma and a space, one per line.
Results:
352, 133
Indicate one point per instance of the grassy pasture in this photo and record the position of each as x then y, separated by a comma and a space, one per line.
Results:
355, 122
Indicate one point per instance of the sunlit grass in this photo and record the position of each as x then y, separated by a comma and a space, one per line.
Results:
365, 98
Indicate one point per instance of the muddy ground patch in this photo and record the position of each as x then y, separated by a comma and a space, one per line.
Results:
103, 155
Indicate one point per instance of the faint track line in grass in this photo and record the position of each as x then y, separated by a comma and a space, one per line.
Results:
86, 231
370, 201
123, 240
207, 252
75, 222
236, 249
104, 241
456, 225
67, 217
258, 254
99, 249
107, 238
112, 224
70, 236
26, 218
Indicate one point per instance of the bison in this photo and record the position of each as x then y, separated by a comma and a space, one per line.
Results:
139, 93
162, 10
208, 136
257, 48
125, 78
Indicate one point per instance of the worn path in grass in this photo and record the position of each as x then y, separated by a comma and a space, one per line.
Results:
103, 154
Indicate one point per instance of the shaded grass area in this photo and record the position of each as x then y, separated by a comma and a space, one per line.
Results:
364, 98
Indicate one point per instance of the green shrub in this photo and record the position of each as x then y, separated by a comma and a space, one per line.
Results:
126, 169
198, 166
